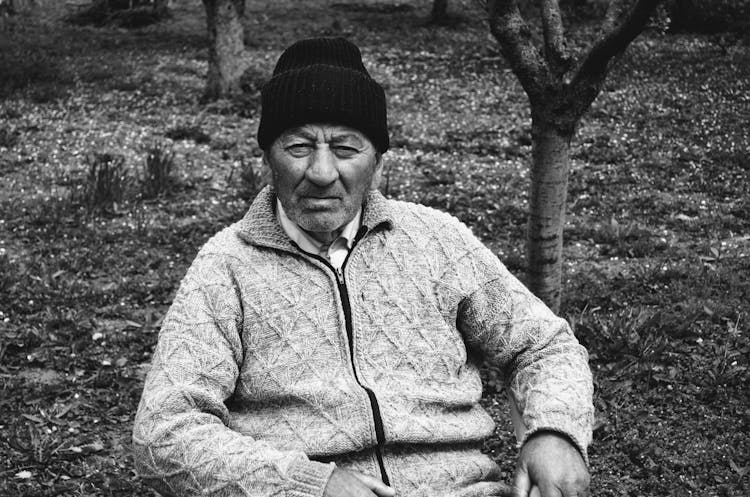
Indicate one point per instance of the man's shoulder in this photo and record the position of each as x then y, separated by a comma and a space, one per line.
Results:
421, 218
225, 244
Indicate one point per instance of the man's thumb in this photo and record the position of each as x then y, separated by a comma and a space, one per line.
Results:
521, 483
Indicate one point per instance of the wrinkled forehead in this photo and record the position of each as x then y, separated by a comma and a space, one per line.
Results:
325, 132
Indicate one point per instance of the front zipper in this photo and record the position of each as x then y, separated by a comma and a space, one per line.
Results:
377, 418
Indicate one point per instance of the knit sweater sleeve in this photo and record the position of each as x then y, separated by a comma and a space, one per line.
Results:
183, 446
544, 367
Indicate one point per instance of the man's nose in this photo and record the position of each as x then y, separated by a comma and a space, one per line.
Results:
322, 169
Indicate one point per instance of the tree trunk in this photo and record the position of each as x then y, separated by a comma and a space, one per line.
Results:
227, 60
560, 87
161, 6
439, 10
547, 197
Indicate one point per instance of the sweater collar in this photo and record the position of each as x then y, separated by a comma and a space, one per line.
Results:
260, 226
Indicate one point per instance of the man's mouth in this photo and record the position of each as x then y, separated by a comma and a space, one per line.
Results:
320, 200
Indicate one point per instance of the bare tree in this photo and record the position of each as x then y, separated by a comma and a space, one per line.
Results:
560, 87
227, 59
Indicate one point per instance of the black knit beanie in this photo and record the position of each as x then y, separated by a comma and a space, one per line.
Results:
322, 80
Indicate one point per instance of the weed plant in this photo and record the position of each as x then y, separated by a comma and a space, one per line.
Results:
8, 272
8, 138
252, 179
105, 183
34, 444
158, 171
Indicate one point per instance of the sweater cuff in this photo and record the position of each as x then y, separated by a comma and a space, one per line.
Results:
310, 478
577, 433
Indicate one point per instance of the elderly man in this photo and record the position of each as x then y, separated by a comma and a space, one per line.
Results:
328, 343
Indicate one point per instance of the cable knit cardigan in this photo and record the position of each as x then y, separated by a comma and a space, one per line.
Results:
270, 366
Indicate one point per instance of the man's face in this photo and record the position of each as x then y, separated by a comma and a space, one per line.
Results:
322, 173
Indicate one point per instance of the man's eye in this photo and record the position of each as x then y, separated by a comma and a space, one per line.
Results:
299, 148
344, 151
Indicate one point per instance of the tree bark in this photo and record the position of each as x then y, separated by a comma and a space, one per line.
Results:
161, 6
227, 59
439, 10
547, 200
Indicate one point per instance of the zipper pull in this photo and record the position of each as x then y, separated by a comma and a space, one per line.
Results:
340, 275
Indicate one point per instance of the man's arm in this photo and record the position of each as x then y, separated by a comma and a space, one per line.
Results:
547, 375
182, 443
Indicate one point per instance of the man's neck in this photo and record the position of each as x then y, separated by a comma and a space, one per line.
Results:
324, 237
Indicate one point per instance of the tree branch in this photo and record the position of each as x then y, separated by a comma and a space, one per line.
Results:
614, 11
514, 36
590, 75
554, 38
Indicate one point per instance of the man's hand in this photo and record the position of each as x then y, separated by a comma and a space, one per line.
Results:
349, 484
550, 466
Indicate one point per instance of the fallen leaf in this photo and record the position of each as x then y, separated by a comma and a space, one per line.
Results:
683, 217
740, 471
24, 475
33, 418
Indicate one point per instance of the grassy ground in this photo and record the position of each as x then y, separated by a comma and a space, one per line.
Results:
657, 237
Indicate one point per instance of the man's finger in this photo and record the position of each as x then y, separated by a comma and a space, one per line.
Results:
521, 483
376, 485
535, 492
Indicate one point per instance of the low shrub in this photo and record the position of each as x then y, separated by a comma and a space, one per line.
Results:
129, 14
22, 67
158, 171
709, 16
137, 17
48, 92
188, 132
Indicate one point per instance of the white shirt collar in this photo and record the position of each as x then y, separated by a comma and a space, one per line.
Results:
337, 250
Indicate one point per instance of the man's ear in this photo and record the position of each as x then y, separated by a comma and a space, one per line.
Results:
377, 174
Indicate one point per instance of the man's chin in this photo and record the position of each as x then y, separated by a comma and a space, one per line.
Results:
320, 222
